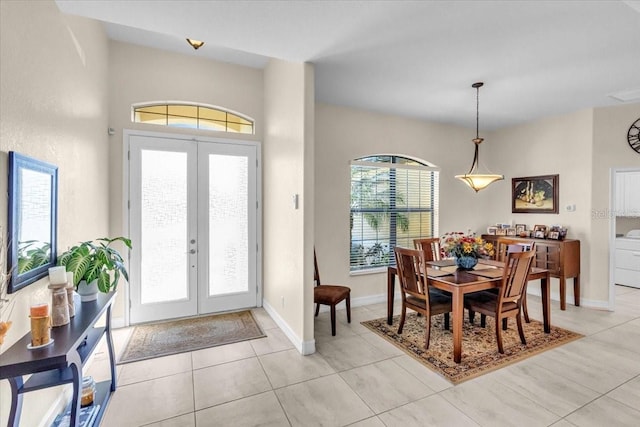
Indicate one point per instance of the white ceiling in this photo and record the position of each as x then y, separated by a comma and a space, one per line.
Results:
411, 58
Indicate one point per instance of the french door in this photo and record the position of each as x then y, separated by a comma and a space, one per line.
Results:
193, 219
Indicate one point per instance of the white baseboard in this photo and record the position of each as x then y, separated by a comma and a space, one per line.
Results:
533, 289
304, 347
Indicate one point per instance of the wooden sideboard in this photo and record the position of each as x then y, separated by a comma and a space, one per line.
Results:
62, 361
560, 257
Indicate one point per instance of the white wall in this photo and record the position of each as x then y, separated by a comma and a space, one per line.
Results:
560, 145
53, 80
287, 171
139, 74
344, 134
610, 150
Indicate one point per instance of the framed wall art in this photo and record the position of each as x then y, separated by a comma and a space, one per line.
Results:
535, 194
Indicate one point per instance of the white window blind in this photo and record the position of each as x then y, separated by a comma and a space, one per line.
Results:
394, 200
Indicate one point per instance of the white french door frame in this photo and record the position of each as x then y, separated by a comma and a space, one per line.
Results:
126, 226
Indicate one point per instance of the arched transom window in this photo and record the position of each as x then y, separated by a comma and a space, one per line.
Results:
394, 200
192, 116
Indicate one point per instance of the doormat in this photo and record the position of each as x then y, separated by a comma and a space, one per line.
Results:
179, 336
479, 347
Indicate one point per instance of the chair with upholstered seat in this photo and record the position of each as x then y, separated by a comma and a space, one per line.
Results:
416, 292
508, 301
330, 295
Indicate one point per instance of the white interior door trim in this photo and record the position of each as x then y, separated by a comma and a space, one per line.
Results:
126, 226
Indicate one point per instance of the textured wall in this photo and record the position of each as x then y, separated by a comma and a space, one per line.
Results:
53, 80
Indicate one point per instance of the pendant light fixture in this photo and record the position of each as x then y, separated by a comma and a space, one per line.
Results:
473, 179
196, 44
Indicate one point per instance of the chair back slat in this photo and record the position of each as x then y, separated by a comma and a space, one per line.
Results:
430, 246
410, 263
505, 246
516, 271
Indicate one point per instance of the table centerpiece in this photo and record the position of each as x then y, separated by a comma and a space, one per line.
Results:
465, 248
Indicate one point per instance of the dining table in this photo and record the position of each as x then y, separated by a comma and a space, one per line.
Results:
487, 274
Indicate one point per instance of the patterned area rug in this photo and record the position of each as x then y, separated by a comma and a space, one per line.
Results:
179, 336
479, 347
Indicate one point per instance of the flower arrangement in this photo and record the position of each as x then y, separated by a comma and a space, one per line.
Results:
457, 244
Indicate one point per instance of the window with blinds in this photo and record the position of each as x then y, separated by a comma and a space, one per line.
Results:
394, 200
193, 116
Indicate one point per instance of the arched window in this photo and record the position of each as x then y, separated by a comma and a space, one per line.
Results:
394, 200
192, 116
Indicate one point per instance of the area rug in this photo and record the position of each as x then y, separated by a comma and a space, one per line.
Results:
479, 348
179, 336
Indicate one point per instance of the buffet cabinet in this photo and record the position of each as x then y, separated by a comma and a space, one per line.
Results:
560, 257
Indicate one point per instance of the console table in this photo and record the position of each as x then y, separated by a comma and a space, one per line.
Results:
560, 257
61, 362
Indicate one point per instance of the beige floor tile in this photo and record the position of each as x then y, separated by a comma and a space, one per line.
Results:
154, 368
590, 363
385, 347
605, 412
264, 320
628, 393
430, 411
276, 340
325, 401
322, 328
563, 423
428, 377
385, 385
150, 401
230, 381
557, 394
259, 410
290, 367
349, 352
491, 403
186, 420
369, 422
222, 354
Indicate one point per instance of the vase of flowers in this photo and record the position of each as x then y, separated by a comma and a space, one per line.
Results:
465, 248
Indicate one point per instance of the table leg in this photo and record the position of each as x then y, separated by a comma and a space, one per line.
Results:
391, 284
16, 401
545, 285
576, 290
563, 292
458, 319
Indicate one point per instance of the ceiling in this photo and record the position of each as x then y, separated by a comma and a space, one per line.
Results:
411, 58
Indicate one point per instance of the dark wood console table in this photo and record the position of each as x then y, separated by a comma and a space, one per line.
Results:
560, 257
62, 361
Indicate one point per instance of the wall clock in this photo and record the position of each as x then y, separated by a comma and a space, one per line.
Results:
633, 136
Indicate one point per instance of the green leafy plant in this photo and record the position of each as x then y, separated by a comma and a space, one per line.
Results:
96, 260
32, 254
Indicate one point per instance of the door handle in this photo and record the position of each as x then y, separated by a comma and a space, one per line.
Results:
192, 251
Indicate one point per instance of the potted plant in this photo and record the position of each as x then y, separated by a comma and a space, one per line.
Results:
96, 266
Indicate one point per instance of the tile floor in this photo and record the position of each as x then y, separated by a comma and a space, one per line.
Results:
358, 379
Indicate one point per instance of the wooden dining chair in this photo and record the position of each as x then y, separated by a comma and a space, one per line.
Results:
508, 302
330, 295
430, 246
504, 247
416, 292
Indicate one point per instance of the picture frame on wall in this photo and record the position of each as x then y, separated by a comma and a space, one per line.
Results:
535, 194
